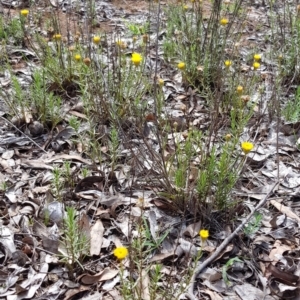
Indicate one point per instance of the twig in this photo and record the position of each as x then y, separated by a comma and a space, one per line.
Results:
29, 138
201, 267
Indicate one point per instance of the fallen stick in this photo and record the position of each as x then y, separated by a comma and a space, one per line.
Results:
209, 260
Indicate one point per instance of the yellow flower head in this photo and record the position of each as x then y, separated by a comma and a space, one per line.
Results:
57, 37
247, 147
136, 58
120, 252
77, 57
256, 65
224, 21
185, 7
227, 63
204, 234
181, 66
96, 39
161, 82
257, 57
239, 89
24, 12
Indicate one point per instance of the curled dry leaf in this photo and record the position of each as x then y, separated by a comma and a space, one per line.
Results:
104, 275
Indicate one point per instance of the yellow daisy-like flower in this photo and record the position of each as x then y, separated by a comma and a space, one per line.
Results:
181, 66
136, 58
57, 37
239, 89
257, 57
256, 65
185, 7
227, 63
224, 21
24, 12
121, 252
161, 82
204, 234
96, 39
77, 57
247, 147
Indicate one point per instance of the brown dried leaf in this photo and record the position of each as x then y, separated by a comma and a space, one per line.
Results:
97, 231
104, 275
284, 209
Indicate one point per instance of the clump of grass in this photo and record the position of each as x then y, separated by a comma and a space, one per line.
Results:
75, 243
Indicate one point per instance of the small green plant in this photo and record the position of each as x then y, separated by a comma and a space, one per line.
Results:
3, 186
291, 111
74, 241
57, 182
227, 266
137, 29
254, 224
11, 30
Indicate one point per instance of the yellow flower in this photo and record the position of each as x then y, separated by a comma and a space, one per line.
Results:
204, 234
161, 82
228, 63
77, 57
185, 7
181, 66
120, 252
24, 12
256, 65
96, 39
224, 21
136, 58
257, 57
57, 37
247, 147
239, 89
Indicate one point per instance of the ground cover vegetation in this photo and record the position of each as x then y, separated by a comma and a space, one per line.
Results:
150, 153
